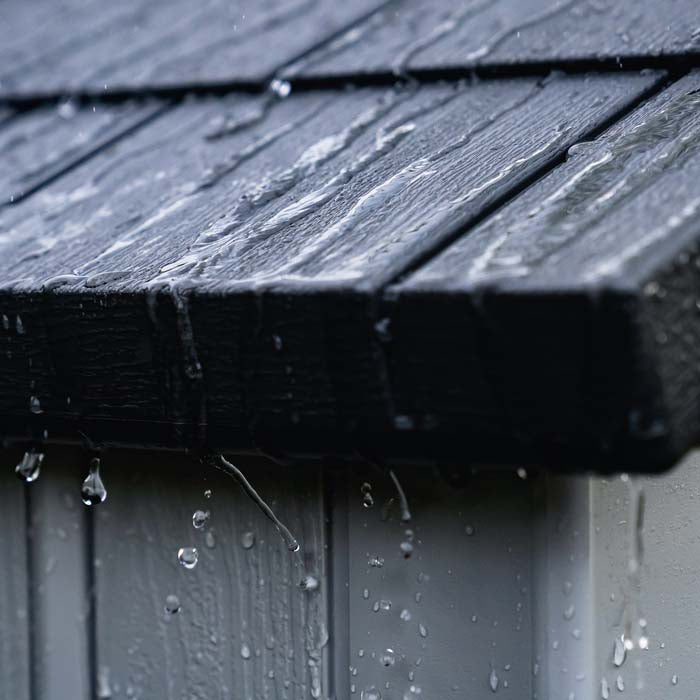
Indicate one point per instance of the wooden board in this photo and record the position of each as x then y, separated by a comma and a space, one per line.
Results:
451, 37
14, 589
245, 627
228, 272
60, 586
570, 315
49, 48
46, 143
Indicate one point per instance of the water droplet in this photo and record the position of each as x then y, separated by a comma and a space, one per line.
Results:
29, 466
370, 693
619, 652
384, 605
247, 539
281, 88
67, 109
405, 615
245, 651
604, 689
493, 681
209, 540
93, 491
469, 529
188, 557
422, 631
522, 473
309, 583
277, 342
19, 326
387, 658
172, 604
569, 613
412, 693
674, 679
365, 593
375, 561
620, 683
200, 518
207, 493
367, 498
35, 405
406, 549
643, 642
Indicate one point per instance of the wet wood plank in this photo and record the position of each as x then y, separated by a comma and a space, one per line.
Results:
158, 45
14, 589
245, 627
45, 143
60, 585
570, 317
450, 36
225, 259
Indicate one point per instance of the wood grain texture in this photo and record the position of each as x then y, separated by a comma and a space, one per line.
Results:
94, 47
14, 589
449, 36
575, 304
60, 585
245, 627
41, 145
228, 273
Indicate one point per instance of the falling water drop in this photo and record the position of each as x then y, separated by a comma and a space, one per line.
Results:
93, 491
247, 539
225, 466
29, 466
200, 519
172, 604
309, 583
188, 557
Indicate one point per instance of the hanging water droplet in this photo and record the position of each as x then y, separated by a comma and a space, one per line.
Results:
383, 605
620, 683
200, 518
643, 642
367, 498
309, 583
365, 593
188, 557
569, 613
29, 466
522, 473
375, 561
370, 693
387, 658
247, 539
619, 652
604, 689
406, 549
172, 604
412, 693
281, 88
405, 615
422, 631
469, 529
67, 109
35, 405
245, 651
93, 491
207, 493
493, 681
674, 679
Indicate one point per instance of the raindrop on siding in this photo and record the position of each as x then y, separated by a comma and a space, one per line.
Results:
245, 651
522, 473
604, 689
209, 540
422, 630
620, 684
200, 519
674, 679
569, 613
406, 549
405, 615
247, 539
172, 604
387, 658
309, 583
375, 561
207, 493
93, 490
29, 466
619, 652
469, 529
367, 498
371, 693
188, 557
35, 405
493, 681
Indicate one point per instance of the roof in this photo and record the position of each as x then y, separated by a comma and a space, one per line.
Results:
464, 231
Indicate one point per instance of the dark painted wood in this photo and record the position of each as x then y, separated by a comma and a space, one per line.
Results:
437, 38
245, 627
568, 321
215, 277
45, 143
97, 47
14, 587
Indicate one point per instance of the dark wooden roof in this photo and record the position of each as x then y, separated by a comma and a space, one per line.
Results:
496, 270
